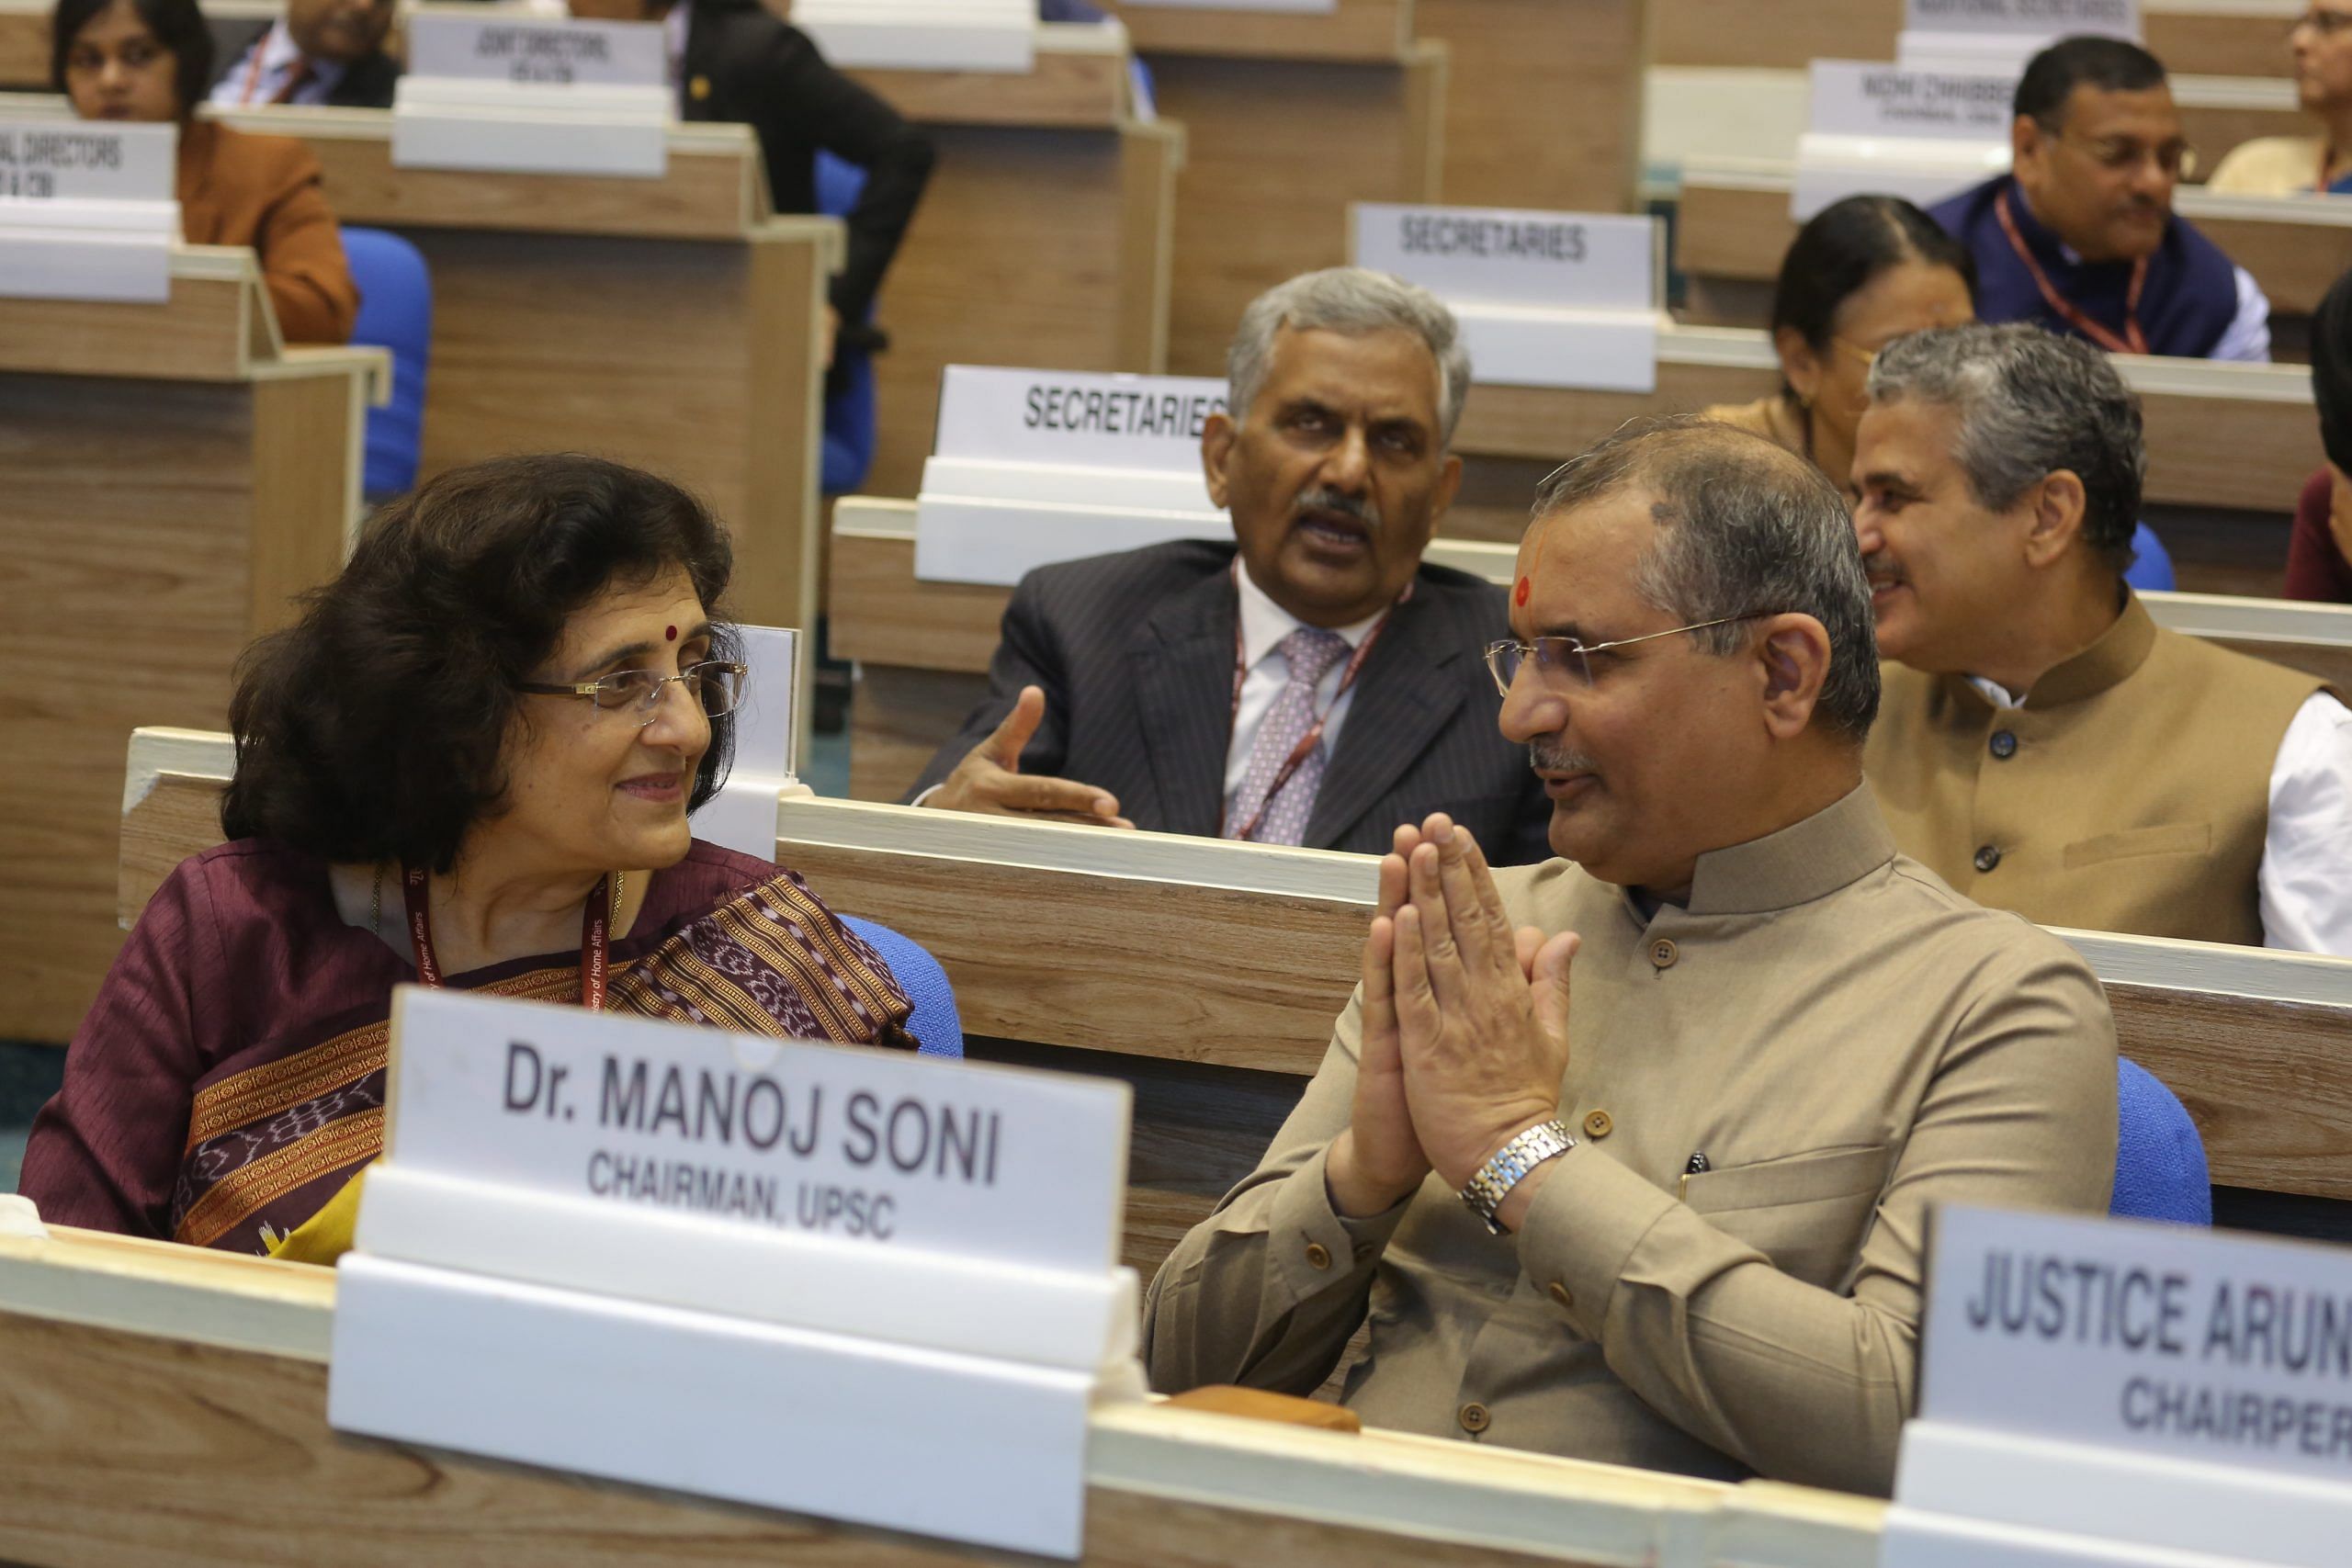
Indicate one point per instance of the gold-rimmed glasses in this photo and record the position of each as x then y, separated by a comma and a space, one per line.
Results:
1559, 660
716, 682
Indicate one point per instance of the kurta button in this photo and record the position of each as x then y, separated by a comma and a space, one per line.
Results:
1474, 1418
1663, 953
1317, 1255
1987, 858
2004, 745
1597, 1124
1560, 1294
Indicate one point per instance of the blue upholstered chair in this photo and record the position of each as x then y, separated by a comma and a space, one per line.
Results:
395, 312
2153, 570
935, 1023
2160, 1171
849, 415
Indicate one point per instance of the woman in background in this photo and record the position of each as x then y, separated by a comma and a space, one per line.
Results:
152, 61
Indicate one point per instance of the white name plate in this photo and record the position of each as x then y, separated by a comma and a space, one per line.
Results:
44, 159
742, 816
1073, 418
2051, 19
1854, 98
2163, 1340
874, 1145
1501, 256
552, 51
87, 209
923, 35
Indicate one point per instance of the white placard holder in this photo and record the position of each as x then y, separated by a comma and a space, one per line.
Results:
843, 1282
87, 210
1564, 300
499, 91
742, 816
2095, 1391
1034, 467
1922, 135
923, 35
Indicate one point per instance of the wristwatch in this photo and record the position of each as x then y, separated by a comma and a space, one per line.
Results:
1485, 1192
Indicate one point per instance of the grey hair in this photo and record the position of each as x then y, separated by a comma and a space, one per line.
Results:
1356, 301
2030, 403
1744, 529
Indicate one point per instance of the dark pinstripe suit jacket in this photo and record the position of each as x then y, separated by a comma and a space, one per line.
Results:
1135, 653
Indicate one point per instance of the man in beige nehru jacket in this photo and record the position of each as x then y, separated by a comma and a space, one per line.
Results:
2042, 744
1629, 1155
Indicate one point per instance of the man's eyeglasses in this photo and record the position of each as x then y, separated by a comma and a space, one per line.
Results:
716, 682
2325, 23
1565, 661
2175, 160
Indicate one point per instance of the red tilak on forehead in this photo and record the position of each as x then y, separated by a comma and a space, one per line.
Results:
1525, 587
671, 634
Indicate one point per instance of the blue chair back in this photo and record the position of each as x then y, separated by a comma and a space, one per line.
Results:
2160, 1171
935, 1023
395, 312
2153, 570
849, 413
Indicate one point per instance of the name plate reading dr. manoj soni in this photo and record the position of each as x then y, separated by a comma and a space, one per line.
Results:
86, 210
834, 1264
2127, 1386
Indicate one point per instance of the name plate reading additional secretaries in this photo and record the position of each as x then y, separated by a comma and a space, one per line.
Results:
1545, 298
590, 1234
1032, 467
2046, 18
87, 209
531, 95
2156, 1385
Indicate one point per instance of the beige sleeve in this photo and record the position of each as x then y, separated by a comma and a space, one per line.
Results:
1266, 1291
1798, 1382
2267, 165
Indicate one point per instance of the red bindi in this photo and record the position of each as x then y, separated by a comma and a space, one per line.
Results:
670, 633
1519, 599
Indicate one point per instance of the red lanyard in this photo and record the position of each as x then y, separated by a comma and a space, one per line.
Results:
2133, 340
296, 74
595, 936
1313, 736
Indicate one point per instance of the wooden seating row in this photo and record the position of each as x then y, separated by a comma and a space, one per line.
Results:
1206, 974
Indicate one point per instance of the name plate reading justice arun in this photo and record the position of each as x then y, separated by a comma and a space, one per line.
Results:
531, 95
2092, 1390
1034, 467
1545, 298
846, 1283
1920, 134
87, 209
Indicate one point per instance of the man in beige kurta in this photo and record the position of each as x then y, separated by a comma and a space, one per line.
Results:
1785, 1040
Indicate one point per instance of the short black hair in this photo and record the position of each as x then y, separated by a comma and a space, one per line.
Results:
1844, 247
178, 24
2111, 64
375, 728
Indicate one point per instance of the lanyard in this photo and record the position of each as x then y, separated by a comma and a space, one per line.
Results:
2133, 340
1313, 736
296, 74
595, 935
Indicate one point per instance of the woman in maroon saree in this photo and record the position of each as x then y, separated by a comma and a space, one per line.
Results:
477, 717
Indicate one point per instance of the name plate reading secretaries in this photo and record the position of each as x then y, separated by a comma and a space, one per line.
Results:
592, 1233
87, 209
531, 95
1034, 467
2134, 1384
1545, 298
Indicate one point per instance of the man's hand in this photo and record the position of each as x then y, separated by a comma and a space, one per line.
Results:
1481, 1010
1377, 1162
990, 778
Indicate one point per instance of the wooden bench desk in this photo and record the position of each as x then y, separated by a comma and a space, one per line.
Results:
2231, 38
1542, 102
1288, 118
1206, 974
170, 477
1046, 237
169, 1404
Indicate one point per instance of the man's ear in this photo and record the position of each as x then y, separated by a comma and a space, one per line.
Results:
1799, 364
1793, 661
2026, 137
1217, 450
2055, 517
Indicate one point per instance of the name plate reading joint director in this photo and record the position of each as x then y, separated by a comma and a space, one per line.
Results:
860, 1144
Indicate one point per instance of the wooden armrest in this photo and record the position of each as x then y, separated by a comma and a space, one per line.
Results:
1255, 1404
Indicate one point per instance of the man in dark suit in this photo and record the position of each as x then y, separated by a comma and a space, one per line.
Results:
1315, 683
320, 51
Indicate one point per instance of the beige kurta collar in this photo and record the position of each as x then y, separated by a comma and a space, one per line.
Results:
1832, 848
2107, 663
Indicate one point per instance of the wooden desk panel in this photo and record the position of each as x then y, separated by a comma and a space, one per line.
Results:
1078, 84
2221, 41
1278, 149
1357, 29
1542, 103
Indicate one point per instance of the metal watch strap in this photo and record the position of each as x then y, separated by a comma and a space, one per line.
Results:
1485, 1192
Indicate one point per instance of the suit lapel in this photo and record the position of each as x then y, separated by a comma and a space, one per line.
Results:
1409, 689
1180, 665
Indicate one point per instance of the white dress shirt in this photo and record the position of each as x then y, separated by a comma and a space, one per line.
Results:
2247, 337
2306, 877
1264, 624
260, 74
